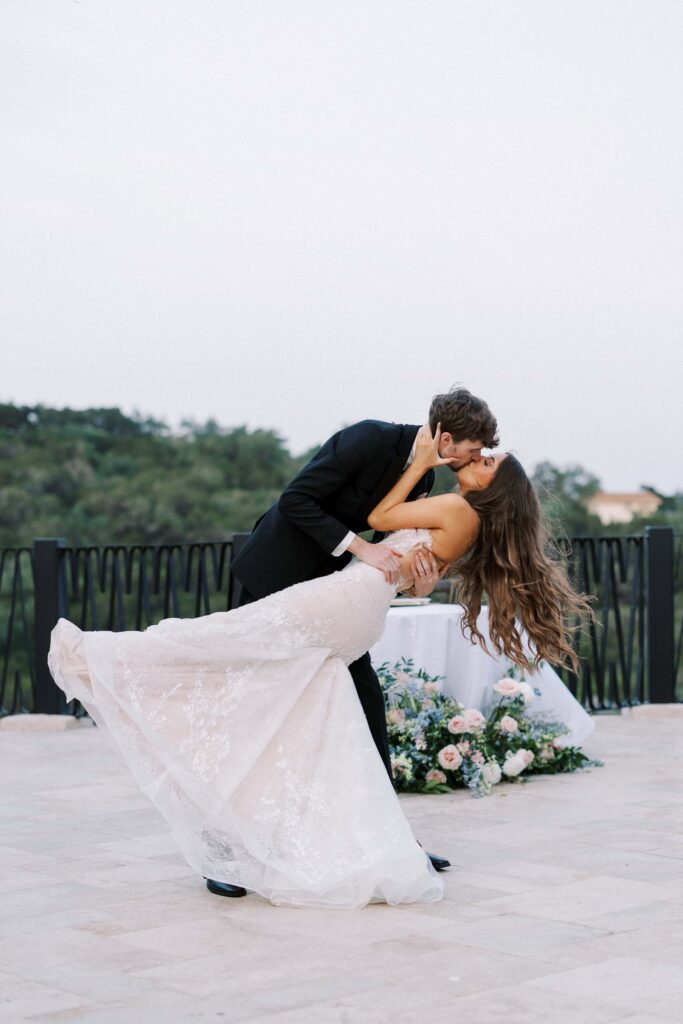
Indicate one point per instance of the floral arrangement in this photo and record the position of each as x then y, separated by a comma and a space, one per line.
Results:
436, 744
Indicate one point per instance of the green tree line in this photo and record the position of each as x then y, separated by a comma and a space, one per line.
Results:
99, 476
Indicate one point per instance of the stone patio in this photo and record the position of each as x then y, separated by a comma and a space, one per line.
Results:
565, 903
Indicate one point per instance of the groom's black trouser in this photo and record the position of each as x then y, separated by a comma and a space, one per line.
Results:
369, 694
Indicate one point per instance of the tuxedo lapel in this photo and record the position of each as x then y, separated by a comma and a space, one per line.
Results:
422, 486
392, 471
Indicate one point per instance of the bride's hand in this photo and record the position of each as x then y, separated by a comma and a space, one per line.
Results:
425, 571
427, 449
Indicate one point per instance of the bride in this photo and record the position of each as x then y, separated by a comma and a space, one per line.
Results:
245, 729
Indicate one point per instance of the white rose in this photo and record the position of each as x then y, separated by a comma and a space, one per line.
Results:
513, 766
527, 692
517, 762
491, 773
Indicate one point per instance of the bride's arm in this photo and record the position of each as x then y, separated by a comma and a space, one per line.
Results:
451, 519
452, 522
393, 512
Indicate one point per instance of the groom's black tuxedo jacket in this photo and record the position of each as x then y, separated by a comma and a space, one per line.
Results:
331, 495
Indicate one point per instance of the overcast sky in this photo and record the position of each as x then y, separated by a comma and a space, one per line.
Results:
300, 214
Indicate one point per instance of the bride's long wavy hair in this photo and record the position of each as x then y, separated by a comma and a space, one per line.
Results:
515, 563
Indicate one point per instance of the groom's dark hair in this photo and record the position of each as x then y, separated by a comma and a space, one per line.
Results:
464, 416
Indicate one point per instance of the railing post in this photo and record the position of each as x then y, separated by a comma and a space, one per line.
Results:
49, 606
660, 614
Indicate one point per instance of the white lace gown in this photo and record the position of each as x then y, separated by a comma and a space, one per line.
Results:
245, 729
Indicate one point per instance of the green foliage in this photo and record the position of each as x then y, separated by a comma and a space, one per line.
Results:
563, 493
98, 476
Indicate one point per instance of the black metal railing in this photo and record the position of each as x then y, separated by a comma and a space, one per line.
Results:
17, 678
612, 647
678, 613
627, 653
120, 587
630, 654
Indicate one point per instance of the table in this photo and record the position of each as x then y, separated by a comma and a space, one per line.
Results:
431, 636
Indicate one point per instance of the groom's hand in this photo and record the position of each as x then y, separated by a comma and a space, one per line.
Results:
384, 558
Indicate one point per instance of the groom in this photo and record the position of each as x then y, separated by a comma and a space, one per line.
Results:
313, 529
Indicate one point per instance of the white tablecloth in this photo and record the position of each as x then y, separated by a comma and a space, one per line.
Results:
432, 637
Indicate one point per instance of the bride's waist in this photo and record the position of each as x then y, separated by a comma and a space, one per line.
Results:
373, 576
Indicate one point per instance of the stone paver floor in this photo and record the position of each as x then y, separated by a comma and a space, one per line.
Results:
565, 903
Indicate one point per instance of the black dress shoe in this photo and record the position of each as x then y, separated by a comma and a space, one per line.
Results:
439, 863
224, 888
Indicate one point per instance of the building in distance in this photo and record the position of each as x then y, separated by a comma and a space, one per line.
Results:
622, 508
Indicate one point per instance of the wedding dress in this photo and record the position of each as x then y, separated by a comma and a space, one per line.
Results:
244, 728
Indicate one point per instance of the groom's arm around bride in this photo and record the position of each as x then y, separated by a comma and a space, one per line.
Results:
313, 529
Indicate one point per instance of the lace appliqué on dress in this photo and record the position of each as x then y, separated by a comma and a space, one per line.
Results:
246, 731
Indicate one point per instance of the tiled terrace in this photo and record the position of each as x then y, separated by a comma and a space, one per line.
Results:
565, 903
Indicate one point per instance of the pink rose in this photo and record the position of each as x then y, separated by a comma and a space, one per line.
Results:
456, 724
508, 724
449, 757
403, 678
474, 720
507, 688
436, 776
431, 689
526, 755
396, 716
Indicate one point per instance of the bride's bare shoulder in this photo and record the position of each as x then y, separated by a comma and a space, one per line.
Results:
459, 528
456, 503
